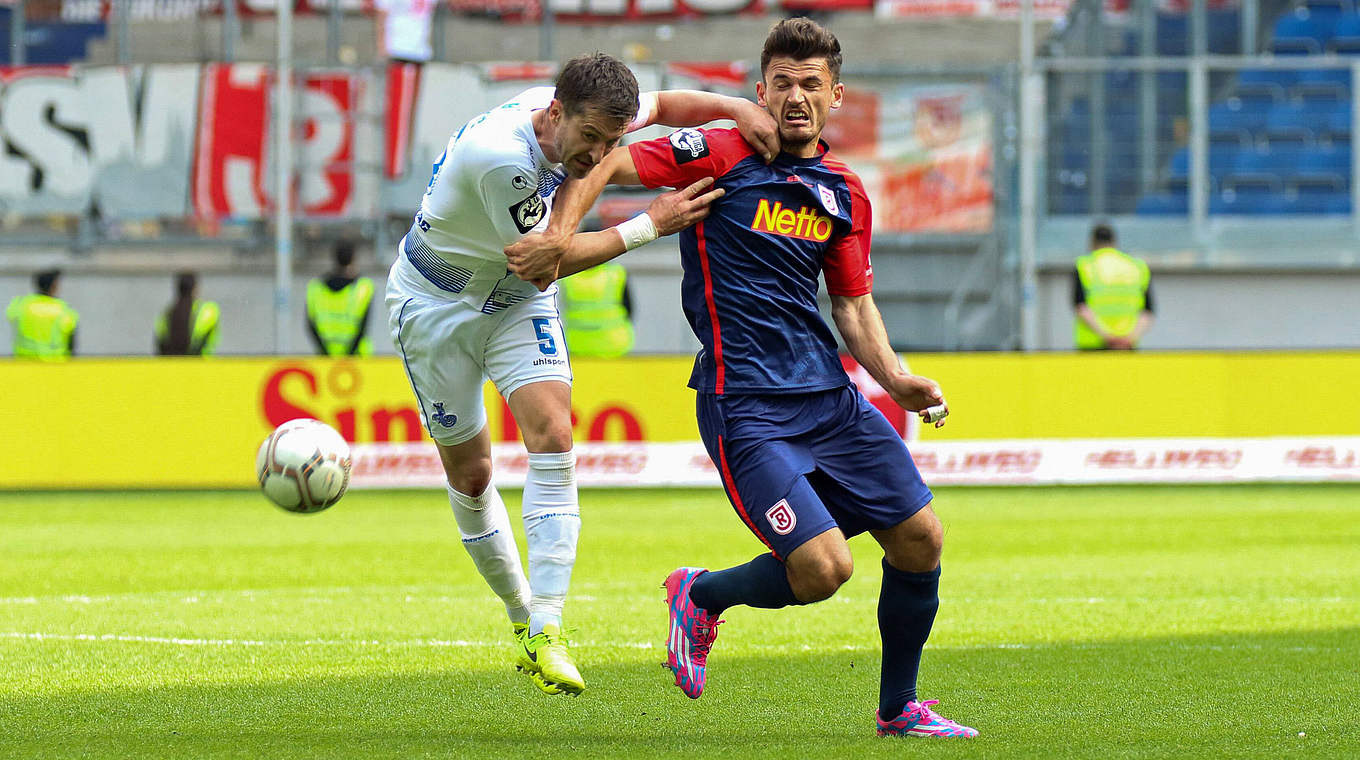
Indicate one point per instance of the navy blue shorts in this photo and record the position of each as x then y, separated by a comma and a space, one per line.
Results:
795, 465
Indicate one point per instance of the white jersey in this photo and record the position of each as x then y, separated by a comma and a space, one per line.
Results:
456, 314
490, 186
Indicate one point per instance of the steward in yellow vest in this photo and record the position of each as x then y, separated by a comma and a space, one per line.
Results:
1112, 296
337, 308
44, 326
188, 327
595, 312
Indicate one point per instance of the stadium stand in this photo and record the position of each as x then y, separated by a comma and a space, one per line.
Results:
51, 42
1279, 140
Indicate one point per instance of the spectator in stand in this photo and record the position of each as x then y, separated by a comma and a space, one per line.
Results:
1112, 296
597, 312
337, 308
44, 325
403, 29
188, 327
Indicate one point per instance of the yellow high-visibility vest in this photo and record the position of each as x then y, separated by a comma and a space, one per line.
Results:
1116, 287
203, 321
338, 315
596, 323
43, 326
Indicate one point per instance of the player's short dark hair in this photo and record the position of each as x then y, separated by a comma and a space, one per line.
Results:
344, 253
185, 282
801, 39
601, 82
1102, 234
45, 280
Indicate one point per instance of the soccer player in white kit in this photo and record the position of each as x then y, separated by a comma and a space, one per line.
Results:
458, 316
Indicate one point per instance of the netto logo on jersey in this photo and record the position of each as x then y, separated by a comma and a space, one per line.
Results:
806, 224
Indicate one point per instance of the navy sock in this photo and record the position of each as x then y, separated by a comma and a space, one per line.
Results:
762, 582
906, 611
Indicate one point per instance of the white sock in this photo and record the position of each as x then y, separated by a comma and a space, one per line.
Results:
552, 523
485, 527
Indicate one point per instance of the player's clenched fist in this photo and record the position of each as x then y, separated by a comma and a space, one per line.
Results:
678, 209
535, 257
920, 395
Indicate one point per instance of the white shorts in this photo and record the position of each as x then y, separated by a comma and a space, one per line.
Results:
452, 344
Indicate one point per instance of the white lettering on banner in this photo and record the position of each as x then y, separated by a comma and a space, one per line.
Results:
92, 133
327, 144
44, 120
1021, 462
151, 147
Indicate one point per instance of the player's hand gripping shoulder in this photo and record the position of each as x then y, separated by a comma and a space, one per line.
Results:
693, 108
758, 128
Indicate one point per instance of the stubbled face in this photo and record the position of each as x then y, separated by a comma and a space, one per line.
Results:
583, 139
799, 94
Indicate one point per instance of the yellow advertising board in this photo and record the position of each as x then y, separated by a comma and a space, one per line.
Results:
152, 423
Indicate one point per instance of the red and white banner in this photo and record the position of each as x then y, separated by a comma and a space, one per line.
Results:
232, 177
194, 140
1015, 462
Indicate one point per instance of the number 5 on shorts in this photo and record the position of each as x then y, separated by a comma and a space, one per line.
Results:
543, 329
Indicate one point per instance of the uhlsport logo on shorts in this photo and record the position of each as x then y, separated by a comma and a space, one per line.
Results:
439, 416
782, 517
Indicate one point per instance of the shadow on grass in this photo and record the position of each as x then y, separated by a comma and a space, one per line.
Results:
1202, 696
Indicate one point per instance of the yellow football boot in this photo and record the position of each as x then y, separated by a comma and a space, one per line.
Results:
545, 659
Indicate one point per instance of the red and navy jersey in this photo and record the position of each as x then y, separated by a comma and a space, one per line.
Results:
751, 268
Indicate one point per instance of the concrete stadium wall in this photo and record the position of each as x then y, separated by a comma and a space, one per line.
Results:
1228, 309
1221, 309
118, 309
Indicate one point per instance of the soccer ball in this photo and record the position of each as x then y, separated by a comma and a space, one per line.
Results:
303, 466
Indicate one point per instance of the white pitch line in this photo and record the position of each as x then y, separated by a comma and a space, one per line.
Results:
643, 645
197, 642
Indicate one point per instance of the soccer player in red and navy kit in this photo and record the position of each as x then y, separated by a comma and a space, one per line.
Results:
805, 459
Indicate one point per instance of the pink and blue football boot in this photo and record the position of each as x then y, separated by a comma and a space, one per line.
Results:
692, 632
917, 719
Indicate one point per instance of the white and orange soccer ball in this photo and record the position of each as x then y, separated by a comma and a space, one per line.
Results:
303, 466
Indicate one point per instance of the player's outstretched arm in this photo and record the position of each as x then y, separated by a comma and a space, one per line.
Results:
693, 108
667, 214
861, 327
536, 257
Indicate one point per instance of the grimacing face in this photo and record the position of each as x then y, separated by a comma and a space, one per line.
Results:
583, 139
799, 94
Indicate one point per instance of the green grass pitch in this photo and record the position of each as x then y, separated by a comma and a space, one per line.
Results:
1140, 622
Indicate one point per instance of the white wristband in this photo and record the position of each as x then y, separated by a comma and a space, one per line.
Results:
637, 231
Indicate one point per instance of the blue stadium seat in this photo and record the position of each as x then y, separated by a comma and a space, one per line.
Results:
1293, 122
1164, 204
1256, 95
1222, 158
1293, 29
1325, 159
1279, 77
1172, 33
1311, 196
1338, 125
1346, 36
1278, 163
1234, 117
1224, 32
1254, 199
1336, 81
